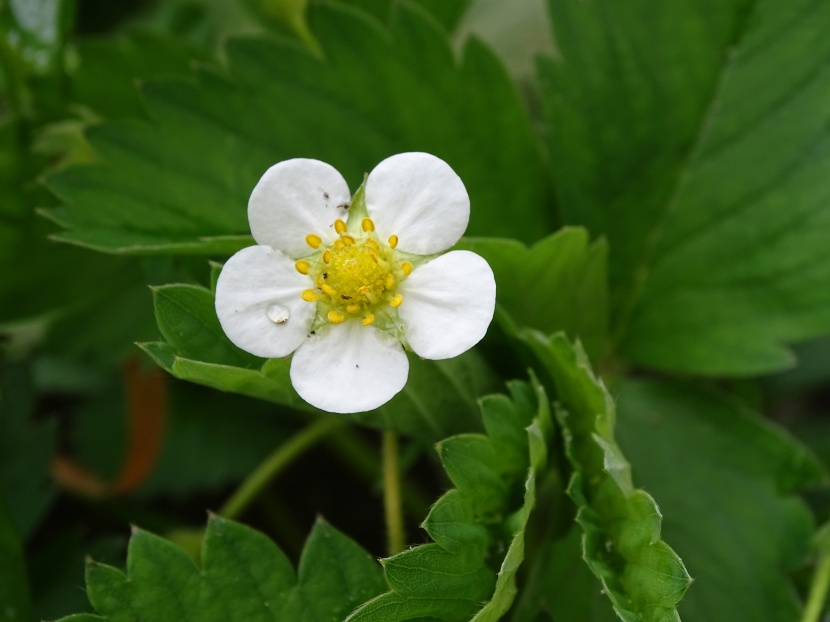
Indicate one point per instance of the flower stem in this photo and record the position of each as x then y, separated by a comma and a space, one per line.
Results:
818, 591
280, 458
392, 494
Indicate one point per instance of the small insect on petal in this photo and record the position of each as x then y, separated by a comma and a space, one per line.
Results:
277, 314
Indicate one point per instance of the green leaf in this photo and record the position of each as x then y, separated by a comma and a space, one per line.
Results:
186, 318
438, 400
449, 579
180, 185
559, 283
105, 79
14, 589
708, 178
26, 452
726, 480
641, 575
244, 577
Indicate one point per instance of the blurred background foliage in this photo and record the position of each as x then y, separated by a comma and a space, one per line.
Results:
94, 436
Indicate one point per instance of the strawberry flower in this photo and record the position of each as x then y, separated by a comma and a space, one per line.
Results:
346, 284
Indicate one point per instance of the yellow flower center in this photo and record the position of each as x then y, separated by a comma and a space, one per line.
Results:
355, 278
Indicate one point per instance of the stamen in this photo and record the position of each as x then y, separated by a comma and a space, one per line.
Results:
393, 241
334, 317
407, 268
327, 257
363, 289
302, 266
338, 244
367, 225
390, 281
328, 290
313, 241
340, 226
309, 295
396, 301
372, 244
368, 319
353, 308
347, 239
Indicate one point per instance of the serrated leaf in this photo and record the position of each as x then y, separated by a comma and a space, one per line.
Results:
187, 320
726, 480
558, 284
105, 79
708, 178
641, 575
438, 400
449, 579
244, 577
182, 183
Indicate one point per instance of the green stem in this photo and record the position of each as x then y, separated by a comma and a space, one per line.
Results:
818, 591
280, 458
392, 494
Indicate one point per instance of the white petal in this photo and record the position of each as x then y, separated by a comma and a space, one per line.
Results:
448, 304
419, 198
259, 305
349, 368
295, 198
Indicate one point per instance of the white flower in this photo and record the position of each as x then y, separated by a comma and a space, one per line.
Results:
342, 284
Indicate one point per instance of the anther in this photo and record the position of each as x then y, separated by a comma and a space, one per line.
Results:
340, 226
367, 225
334, 317
313, 241
302, 266
390, 281
353, 308
368, 319
393, 241
328, 290
407, 268
347, 240
396, 301
309, 295
363, 289
327, 257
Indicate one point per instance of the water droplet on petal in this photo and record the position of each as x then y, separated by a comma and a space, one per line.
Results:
277, 314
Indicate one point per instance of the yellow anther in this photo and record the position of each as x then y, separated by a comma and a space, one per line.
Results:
309, 295
390, 281
328, 290
372, 244
313, 241
396, 301
338, 244
393, 241
353, 308
407, 268
347, 240
367, 224
327, 257
302, 266
368, 319
340, 226
364, 289
334, 317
